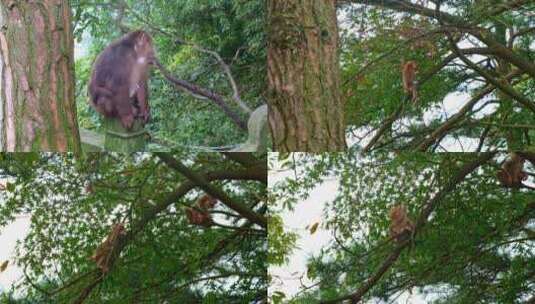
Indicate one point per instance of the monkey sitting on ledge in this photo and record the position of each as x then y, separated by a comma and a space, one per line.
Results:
118, 86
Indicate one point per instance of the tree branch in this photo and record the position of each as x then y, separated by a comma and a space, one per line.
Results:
201, 181
149, 215
431, 205
197, 91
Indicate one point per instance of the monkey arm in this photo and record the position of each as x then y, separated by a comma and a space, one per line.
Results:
97, 92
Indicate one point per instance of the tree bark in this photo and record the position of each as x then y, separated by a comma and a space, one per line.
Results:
37, 111
306, 109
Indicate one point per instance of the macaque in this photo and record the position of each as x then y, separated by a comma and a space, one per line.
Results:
206, 202
89, 188
4, 266
118, 86
410, 68
201, 214
104, 252
511, 174
200, 218
401, 227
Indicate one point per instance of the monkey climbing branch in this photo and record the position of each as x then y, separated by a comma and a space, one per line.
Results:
356, 296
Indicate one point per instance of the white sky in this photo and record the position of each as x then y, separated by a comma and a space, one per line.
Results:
80, 48
8, 239
288, 278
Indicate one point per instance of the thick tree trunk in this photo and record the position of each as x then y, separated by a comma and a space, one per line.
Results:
37, 77
306, 110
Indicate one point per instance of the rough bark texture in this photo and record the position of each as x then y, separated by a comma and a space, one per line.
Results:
306, 111
37, 110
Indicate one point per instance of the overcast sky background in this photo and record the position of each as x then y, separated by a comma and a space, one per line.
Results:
8, 238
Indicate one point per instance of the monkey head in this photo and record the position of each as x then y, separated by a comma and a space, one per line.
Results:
206, 202
398, 213
511, 173
143, 47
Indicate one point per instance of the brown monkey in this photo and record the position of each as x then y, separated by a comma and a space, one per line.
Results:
206, 202
118, 86
200, 218
511, 174
4, 266
400, 225
104, 251
89, 188
201, 214
410, 69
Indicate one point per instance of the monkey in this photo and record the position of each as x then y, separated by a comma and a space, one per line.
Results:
104, 251
200, 218
118, 85
511, 174
206, 202
401, 227
89, 188
4, 266
200, 215
410, 68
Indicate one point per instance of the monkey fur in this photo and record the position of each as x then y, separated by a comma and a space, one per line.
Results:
200, 215
206, 202
401, 227
118, 86
103, 253
511, 174
409, 79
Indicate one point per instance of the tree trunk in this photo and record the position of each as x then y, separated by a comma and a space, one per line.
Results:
37, 111
306, 110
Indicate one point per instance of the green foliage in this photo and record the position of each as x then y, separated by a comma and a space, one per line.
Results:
281, 242
74, 201
375, 42
476, 247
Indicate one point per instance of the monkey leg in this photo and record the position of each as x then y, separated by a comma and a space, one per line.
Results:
107, 107
127, 121
102, 101
414, 94
142, 97
126, 112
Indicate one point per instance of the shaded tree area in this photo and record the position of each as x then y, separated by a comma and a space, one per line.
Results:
475, 75
163, 257
216, 46
473, 241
